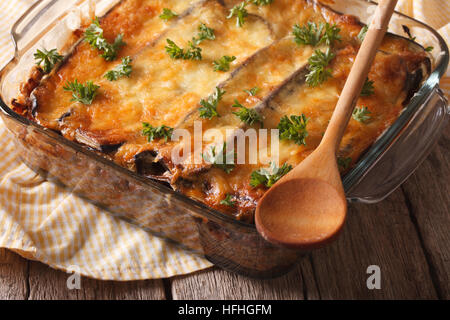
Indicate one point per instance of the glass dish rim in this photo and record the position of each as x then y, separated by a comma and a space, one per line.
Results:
382, 143
369, 158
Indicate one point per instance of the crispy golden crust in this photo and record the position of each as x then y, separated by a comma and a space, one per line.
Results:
166, 91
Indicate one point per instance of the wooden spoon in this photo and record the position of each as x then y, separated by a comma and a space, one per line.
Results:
307, 208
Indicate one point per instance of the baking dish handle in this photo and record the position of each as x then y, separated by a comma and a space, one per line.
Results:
37, 20
29, 19
406, 153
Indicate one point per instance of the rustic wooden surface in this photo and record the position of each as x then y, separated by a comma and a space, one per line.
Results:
407, 235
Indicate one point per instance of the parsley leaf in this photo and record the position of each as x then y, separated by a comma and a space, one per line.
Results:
193, 53
228, 201
248, 116
94, 36
122, 70
221, 159
268, 177
94, 33
331, 34
308, 35
47, 59
153, 133
313, 35
252, 92
167, 14
175, 52
344, 163
368, 88
209, 107
429, 49
361, 114
84, 94
294, 128
362, 33
204, 33
240, 12
318, 63
223, 64
110, 53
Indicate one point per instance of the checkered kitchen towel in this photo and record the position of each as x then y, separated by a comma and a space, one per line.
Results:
44, 222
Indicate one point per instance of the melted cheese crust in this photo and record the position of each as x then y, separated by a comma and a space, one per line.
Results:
164, 91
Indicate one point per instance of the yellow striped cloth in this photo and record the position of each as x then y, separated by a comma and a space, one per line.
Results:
44, 222
41, 221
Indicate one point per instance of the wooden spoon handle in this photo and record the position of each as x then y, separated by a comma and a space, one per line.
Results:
358, 75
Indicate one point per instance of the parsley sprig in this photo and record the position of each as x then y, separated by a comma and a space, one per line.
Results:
193, 52
331, 34
175, 52
240, 10
204, 33
318, 64
94, 36
161, 132
294, 129
47, 59
209, 106
228, 201
221, 159
223, 64
252, 92
248, 116
368, 88
83, 93
268, 177
167, 14
314, 35
309, 34
361, 114
122, 70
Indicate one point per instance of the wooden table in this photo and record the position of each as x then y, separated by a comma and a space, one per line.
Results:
407, 236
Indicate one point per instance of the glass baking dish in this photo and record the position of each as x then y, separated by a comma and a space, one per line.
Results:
230, 244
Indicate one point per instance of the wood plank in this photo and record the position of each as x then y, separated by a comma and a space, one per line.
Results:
428, 195
310, 288
381, 235
219, 284
13, 276
48, 284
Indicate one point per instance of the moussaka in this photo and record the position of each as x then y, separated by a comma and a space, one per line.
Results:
150, 69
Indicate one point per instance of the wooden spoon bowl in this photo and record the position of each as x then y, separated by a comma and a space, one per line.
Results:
305, 224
